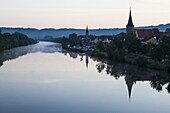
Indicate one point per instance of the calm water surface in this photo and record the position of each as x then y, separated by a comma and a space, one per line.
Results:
42, 78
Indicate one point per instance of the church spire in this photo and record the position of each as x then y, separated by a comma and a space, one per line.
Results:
130, 22
87, 35
130, 25
87, 30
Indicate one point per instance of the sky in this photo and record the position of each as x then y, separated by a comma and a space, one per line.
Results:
80, 13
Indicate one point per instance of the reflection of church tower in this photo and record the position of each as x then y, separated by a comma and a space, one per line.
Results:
129, 83
87, 61
87, 35
130, 27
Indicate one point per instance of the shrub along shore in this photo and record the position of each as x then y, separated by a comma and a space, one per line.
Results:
138, 60
8, 41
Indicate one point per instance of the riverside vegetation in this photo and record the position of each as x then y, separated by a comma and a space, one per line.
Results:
128, 49
8, 41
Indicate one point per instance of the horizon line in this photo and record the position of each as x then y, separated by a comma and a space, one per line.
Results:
23, 27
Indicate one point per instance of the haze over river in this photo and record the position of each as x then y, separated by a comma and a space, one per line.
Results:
42, 78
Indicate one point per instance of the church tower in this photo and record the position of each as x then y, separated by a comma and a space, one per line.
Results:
87, 35
130, 26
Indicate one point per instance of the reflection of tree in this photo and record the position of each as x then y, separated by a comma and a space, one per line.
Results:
168, 87
44, 47
135, 74
100, 67
81, 59
115, 70
1, 63
158, 81
73, 55
156, 85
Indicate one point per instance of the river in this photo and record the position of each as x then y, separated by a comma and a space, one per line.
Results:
42, 78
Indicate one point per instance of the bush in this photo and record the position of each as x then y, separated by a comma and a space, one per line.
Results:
154, 65
140, 61
118, 55
166, 67
100, 46
97, 54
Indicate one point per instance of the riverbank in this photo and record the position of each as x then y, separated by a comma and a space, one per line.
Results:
8, 41
135, 59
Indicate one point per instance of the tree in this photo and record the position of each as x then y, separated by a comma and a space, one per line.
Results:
8, 40
157, 53
100, 46
141, 61
132, 43
73, 39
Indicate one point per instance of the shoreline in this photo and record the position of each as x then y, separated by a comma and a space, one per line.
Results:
129, 59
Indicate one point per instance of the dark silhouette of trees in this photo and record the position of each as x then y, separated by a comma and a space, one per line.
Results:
8, 41
100, 46
160, 51
141, 61
73, 39
133, 44
131, 73
168, 87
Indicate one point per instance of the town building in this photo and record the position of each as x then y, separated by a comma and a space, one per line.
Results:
148, 35
130, 26
153, 36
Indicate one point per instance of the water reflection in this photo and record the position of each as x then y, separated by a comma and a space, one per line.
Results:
44, 47
133, 74
130, 73
158, 80
75, 55
87, 61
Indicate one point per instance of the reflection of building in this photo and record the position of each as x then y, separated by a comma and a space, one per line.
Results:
129, 83
87, 61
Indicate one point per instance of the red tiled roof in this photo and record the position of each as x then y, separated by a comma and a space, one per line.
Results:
162, 34
147, 34
105, 37
167, 32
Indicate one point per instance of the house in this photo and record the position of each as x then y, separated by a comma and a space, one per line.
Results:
148, 35
167, 32
104, 38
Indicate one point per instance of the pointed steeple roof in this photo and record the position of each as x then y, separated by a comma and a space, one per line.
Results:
129, 84
130, 22
87, 30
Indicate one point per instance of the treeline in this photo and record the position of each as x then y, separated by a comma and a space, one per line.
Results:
8, 41
131, 50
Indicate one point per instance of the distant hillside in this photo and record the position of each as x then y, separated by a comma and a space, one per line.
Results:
55, 33
161, 27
